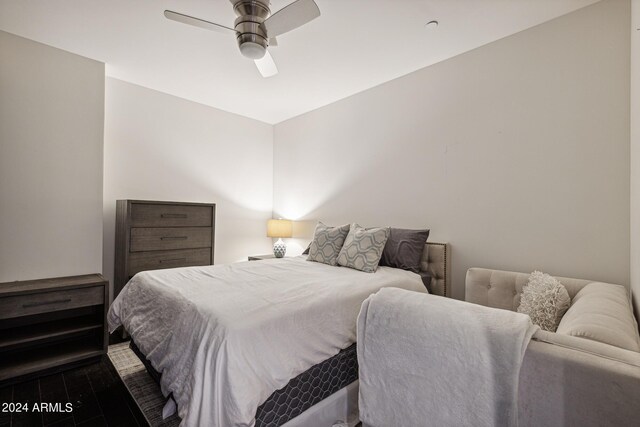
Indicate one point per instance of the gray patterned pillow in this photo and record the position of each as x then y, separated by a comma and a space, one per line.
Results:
363, 248
326, 243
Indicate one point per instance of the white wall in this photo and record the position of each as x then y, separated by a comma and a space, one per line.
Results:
51, 140
635, 154
160, 147
516, 153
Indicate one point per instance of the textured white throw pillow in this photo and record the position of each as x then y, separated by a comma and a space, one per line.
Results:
545, 300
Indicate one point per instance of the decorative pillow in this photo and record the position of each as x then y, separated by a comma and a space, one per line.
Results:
363, 248
306, 251
602, 312
404, 249
545, 300
326, 244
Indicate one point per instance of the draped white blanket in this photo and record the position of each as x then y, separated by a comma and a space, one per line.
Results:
426, 360
226, 337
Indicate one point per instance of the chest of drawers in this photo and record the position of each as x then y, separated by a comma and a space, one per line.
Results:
153, 235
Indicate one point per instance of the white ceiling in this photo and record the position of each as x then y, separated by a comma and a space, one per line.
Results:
352, 46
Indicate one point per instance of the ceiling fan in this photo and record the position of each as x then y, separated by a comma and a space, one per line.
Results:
256, 29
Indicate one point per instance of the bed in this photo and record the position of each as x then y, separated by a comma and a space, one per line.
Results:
261, 343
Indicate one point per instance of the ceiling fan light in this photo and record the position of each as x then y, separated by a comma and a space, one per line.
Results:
266, 66
252, 50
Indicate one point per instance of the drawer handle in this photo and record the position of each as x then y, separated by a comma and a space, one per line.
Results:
173, 216
37, 304
174, 238
173, 260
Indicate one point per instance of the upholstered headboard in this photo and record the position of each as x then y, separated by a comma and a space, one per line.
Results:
435, 261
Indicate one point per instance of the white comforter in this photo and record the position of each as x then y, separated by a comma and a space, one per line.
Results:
226, 337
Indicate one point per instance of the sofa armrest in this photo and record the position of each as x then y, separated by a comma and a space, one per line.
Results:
584, 345
566, 380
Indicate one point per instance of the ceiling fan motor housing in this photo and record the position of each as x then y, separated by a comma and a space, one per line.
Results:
252, 39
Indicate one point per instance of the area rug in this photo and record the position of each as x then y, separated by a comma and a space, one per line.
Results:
141, 386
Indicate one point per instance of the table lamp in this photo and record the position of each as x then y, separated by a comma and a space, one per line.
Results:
279, 228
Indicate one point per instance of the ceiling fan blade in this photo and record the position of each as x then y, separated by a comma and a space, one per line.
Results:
291, 17
197, 22
273, 42
266, 66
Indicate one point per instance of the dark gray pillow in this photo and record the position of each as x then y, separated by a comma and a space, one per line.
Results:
404, 249
306, 251
327, 242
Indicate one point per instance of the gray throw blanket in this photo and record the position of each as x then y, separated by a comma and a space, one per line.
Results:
431, 361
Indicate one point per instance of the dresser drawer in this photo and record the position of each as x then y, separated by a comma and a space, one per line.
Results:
44, 302
156, 260
161, 215
167, 238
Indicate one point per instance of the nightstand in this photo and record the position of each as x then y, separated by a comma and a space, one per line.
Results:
48, 323
260, 257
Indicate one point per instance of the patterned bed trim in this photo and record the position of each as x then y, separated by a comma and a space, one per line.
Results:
307, 389
310, 387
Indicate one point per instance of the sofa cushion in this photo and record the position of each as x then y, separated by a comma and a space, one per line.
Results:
602, 312
545, 300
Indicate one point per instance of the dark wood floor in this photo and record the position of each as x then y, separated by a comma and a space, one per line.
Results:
98, 395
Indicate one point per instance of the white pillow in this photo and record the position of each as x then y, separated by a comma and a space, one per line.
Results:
545, 300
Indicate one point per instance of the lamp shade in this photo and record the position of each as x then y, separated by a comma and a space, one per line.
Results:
279, 228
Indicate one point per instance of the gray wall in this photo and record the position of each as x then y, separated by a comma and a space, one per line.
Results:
635, 154
516, 153
160, 147
51, 141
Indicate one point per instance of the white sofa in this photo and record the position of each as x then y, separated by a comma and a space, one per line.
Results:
567, 380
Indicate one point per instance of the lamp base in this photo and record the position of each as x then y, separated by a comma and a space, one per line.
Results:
279, 249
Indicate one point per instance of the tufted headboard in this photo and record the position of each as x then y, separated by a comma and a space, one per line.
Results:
435, 261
